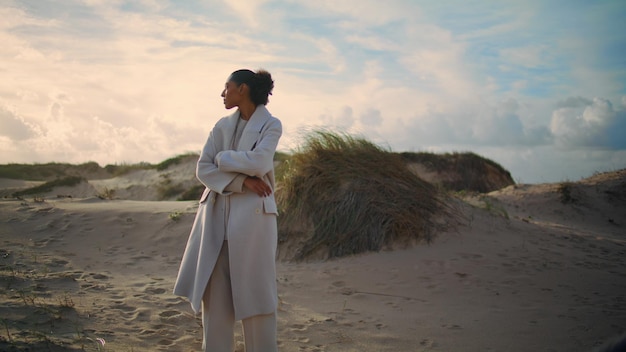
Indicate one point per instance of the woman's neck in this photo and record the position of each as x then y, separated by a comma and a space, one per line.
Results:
246, 110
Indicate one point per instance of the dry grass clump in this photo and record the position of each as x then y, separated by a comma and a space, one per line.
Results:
463, 171
341, 195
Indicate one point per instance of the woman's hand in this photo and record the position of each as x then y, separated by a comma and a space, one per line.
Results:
257, 186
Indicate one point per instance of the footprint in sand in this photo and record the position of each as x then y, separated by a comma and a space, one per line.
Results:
392, 304
59, 262
141, 257
428, 343
165, 342
304, 339
123, 307
298, 327
112, 249
147, 332
169, 313
470, 256
99, 276
339, 284
155, 290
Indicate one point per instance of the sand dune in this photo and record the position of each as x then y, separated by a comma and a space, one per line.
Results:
531, 270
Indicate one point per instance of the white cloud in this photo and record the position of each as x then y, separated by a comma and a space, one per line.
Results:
342, 119
362, 13
14, 126
371, 117
247, 10
596, 124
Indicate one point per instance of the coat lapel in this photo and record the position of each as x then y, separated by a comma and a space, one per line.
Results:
252, 131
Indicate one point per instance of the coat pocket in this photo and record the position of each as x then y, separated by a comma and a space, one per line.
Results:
269, 205
205, 195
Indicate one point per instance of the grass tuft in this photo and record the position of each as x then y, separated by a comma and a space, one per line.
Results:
566, 192
341, 195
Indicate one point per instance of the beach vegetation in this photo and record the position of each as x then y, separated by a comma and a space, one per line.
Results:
341, 195
566, 193
168, 189
47, 171
493, 207
281, 156
165, 164
192, 193
46, 187
114, 170
175, 216
460, 171
37, 199
106, 194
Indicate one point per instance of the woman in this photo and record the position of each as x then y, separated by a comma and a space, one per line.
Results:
228, 270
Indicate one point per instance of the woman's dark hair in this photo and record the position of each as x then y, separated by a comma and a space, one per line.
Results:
259, 82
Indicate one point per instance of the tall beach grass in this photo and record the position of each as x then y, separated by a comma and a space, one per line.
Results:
340, 195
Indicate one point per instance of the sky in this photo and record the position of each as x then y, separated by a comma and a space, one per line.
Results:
539, 86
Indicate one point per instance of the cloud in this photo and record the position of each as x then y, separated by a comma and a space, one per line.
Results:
595, 124
342, 119
371, 117
119, 81
14, 126
480, 124
574, 102
247, 10
61, 135
361, 13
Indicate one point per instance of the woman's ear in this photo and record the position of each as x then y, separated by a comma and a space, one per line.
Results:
242, 88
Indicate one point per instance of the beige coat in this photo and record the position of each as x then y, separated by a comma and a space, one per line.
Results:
251, 223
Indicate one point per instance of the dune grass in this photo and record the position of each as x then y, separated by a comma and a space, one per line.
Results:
47, 171
341, 195
472, 172
50, 185
566, 192
88, 170
192, 193
164, 165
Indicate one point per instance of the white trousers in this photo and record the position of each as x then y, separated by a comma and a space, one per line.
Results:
218, 315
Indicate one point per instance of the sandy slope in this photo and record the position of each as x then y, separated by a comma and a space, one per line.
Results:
551, 277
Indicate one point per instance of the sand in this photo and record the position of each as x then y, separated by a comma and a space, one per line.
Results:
530, 270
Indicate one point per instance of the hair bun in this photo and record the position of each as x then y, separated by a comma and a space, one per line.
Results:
262, 87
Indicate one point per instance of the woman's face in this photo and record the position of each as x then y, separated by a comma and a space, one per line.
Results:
232, 94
